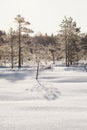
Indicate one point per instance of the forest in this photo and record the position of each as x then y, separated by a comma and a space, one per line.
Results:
18, 47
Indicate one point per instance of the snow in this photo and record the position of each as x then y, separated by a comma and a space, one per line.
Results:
25, 105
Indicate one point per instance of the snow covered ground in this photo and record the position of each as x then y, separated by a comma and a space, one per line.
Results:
24, 104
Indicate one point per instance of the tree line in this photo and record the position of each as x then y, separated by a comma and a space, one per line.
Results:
18, 47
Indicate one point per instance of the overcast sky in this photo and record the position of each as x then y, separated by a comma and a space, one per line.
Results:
44, 15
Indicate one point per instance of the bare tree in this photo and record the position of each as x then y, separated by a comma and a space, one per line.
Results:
11, 37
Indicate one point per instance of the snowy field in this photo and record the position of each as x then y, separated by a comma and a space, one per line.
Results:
60, 104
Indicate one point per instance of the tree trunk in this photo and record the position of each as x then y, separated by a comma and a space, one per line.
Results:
37, 73
19, 64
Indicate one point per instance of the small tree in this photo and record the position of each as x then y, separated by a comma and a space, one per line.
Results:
39, 54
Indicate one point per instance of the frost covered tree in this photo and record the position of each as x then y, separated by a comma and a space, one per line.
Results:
70, 38
39, 55
21, 28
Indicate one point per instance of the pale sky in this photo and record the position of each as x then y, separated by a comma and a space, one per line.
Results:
44, 15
